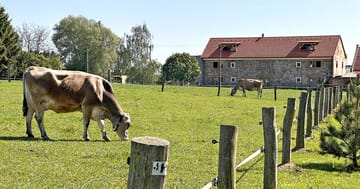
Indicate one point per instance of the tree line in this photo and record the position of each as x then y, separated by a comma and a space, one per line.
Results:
83, 44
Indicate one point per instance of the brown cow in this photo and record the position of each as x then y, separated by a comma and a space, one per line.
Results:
250, 85
69, 91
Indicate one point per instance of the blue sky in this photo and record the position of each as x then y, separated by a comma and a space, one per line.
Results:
186, 26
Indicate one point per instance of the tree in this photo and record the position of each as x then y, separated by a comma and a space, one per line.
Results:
34, 38
342, 137
9, 43
180, 67
85, 44
26, 59
135, 56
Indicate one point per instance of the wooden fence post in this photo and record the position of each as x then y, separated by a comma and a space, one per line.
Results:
331, 102
326, 102
227, 157
148, 163
300, 143
321, 103
275, 95
347, 93
316, 108
270, 144
309, 115
287, 124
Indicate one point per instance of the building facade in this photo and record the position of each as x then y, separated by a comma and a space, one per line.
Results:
299, 61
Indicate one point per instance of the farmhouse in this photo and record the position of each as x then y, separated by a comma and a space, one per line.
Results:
356, 61
294, 61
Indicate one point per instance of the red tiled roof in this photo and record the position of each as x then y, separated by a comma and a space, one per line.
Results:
356, 63
273, 47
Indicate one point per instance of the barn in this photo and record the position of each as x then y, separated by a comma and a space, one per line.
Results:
287, 61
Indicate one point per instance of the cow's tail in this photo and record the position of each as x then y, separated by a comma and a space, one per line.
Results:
25, 107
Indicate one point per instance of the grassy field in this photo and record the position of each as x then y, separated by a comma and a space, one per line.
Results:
189, 117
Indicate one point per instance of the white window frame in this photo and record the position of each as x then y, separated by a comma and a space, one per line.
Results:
232, 64
233, 79
298, 64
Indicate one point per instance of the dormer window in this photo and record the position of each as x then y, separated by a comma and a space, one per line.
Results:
308, 45
229, 46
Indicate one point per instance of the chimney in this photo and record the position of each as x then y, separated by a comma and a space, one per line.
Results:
262, 35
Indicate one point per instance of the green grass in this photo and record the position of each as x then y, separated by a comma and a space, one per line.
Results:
189, 117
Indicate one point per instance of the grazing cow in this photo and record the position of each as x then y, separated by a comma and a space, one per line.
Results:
250, 85
69, 91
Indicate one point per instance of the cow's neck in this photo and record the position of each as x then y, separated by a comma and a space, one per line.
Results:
110, 103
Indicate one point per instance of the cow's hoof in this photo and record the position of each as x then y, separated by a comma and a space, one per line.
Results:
87, 139
106, 139
46, 138
30, 136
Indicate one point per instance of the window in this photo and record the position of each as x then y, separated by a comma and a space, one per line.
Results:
216, 80
233, 79
337, 64
232, 64
308, 47
231, 48
215, 64
298, 79
298, 64
315, 64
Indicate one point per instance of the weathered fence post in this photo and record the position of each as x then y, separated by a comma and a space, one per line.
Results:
347, 93
109, 75
321, 103
309, 115
326, 102
316, 108
227, 157
270, 144
287, 124
300, 132
331, 102
148, 163
275, 95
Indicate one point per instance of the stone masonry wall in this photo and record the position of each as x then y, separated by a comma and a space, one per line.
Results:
283, 72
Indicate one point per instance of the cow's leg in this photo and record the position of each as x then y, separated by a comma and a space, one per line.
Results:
86, 127
259, 93
244, 94
40, 121
102, 129
29, 116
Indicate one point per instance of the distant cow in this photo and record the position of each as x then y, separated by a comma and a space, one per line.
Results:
69, 91
250, 85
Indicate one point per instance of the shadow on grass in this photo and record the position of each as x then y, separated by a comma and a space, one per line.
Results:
24, 138
249, 168
330, 167
17, 138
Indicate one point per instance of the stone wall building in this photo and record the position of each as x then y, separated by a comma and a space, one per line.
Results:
296, 61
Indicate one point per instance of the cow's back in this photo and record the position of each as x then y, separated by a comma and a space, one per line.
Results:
61, 91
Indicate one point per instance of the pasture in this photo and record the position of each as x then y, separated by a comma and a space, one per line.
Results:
189, 117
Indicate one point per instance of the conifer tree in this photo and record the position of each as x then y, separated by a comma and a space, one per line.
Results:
9, 43
342, 137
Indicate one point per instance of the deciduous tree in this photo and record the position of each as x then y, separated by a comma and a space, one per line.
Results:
134, 56
85, 44
180, 67
34, 38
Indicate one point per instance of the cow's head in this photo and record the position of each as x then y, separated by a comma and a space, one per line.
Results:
233, 91
122, 125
